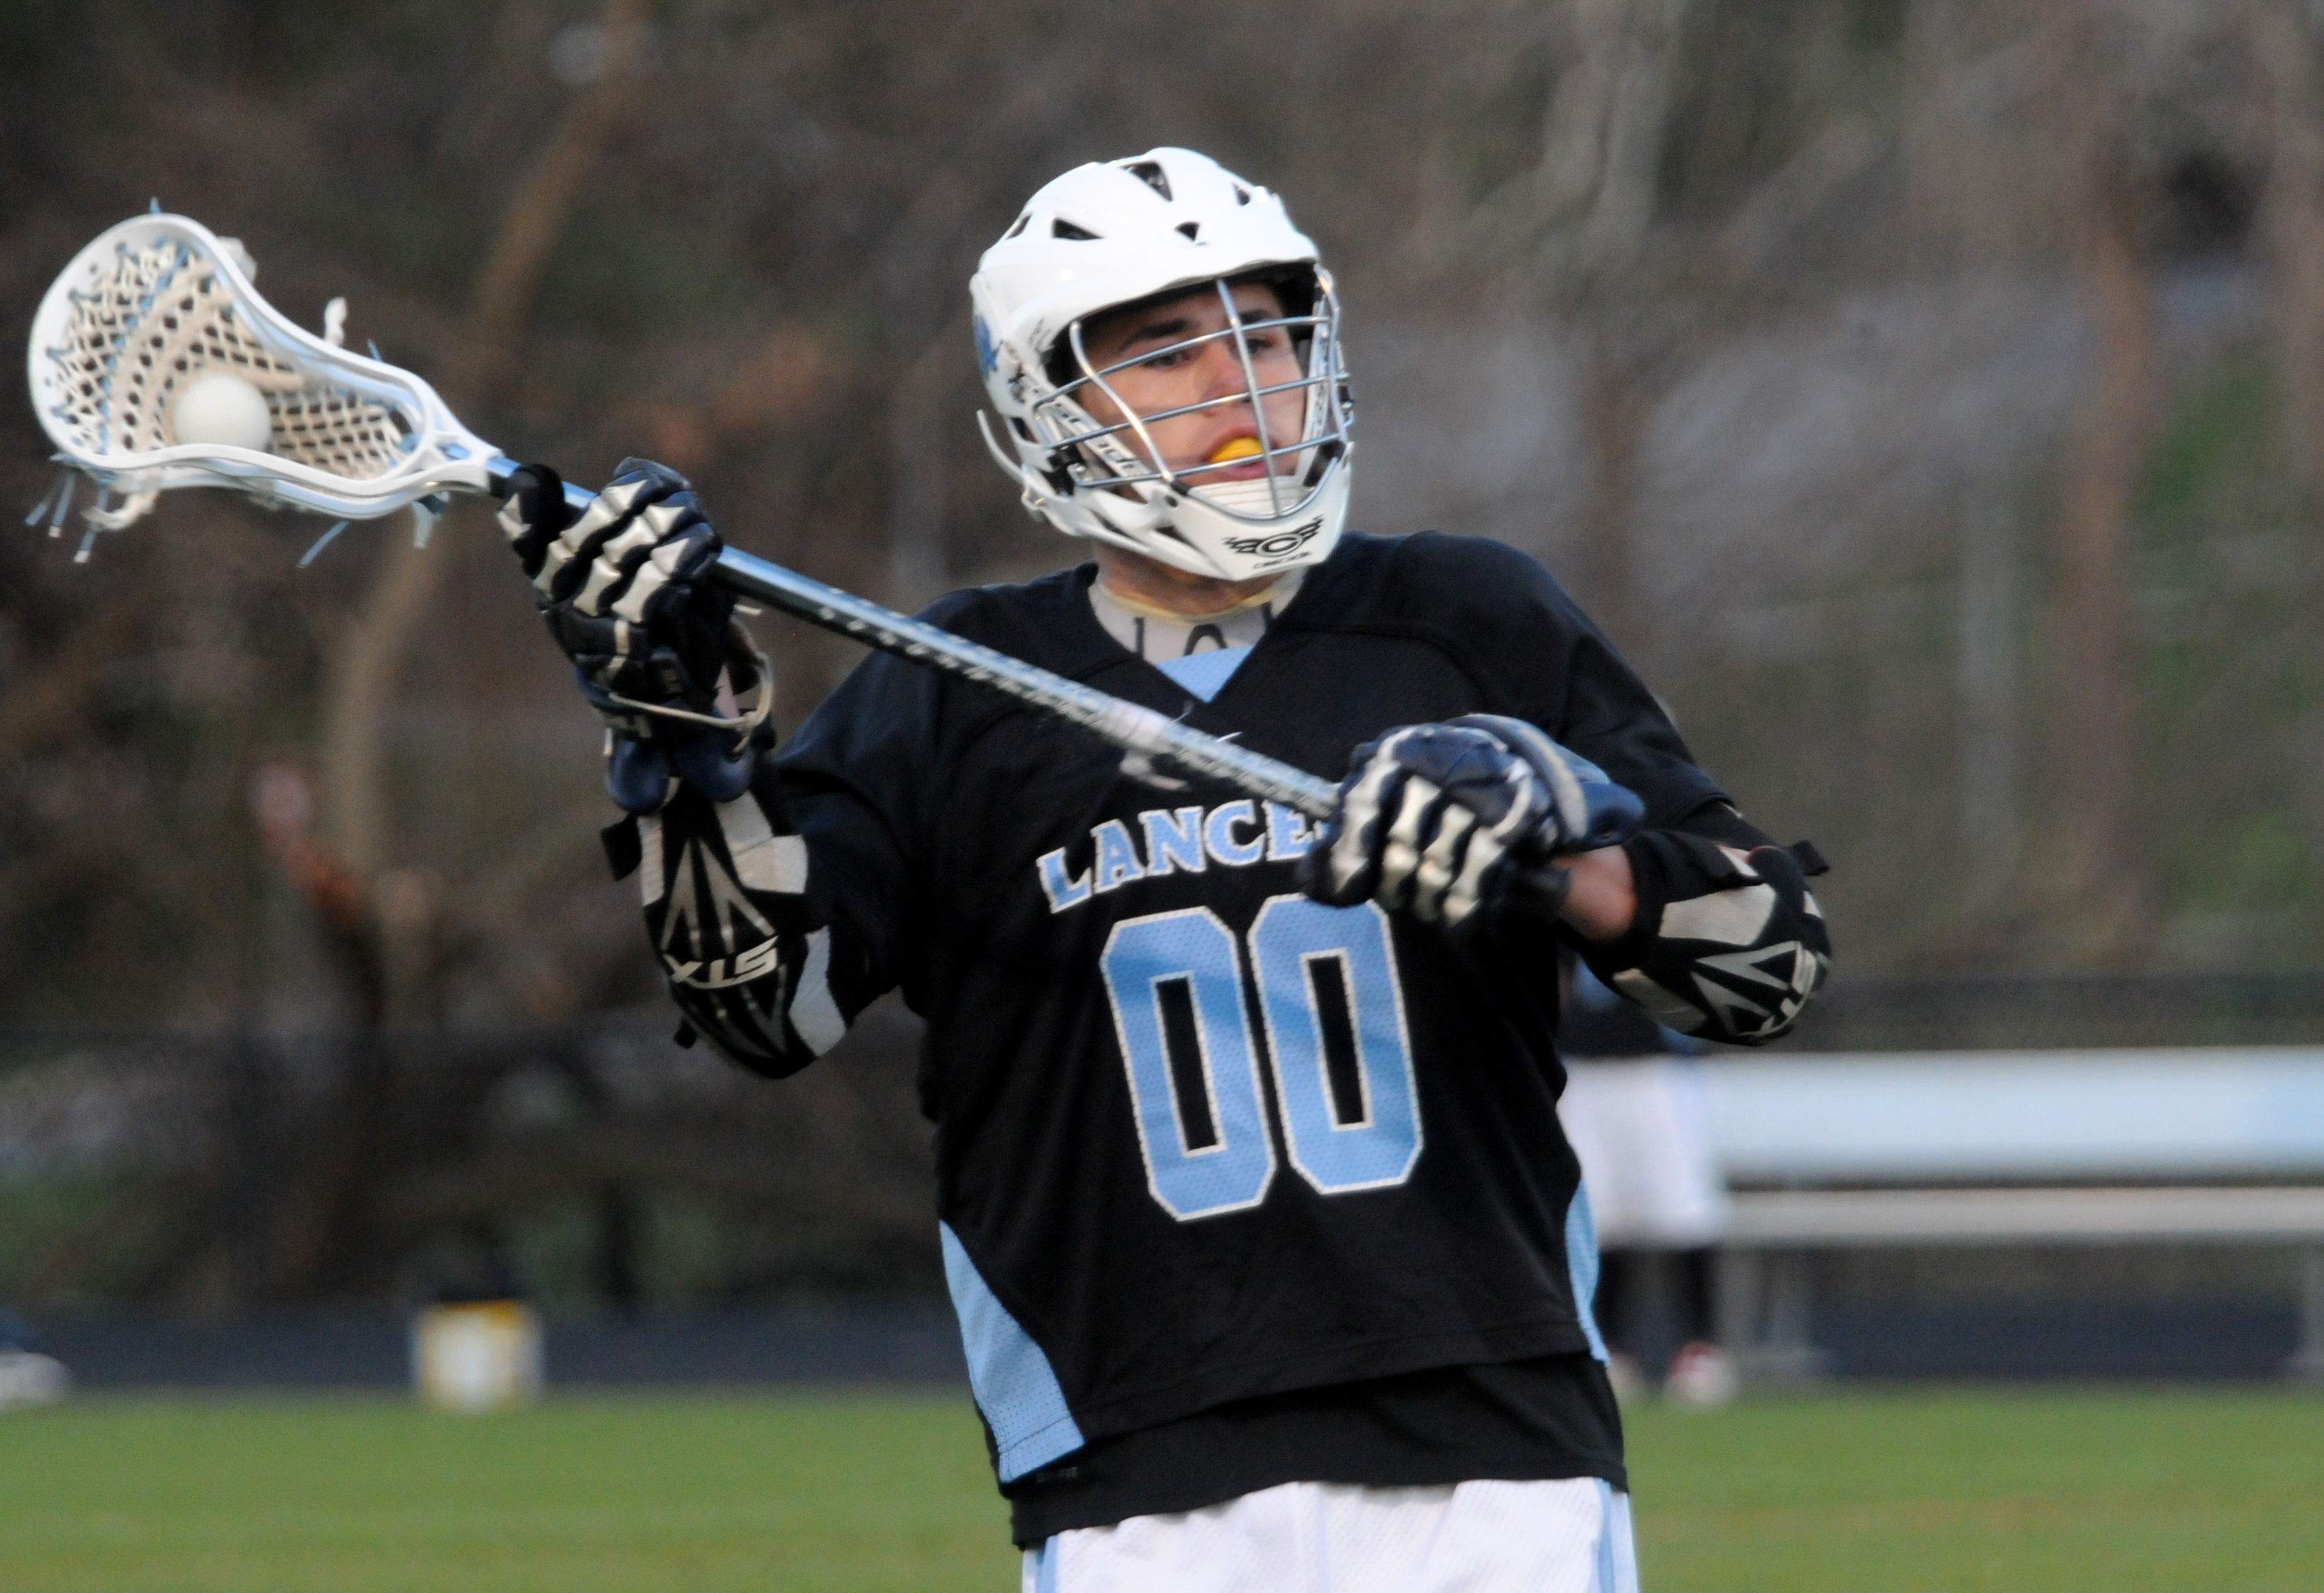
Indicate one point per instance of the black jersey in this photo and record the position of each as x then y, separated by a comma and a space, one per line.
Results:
1525, 1420
1202, 1140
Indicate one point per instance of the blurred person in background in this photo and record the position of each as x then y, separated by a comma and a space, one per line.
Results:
27, 1377
1272, 1264
1639, 1117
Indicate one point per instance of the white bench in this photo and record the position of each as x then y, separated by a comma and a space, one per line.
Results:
1829, 1151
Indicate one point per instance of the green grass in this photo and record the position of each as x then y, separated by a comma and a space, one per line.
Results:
1855, 1493
1917, 1493
352, 1495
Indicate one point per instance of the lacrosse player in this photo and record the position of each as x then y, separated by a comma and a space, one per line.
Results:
1272, 1264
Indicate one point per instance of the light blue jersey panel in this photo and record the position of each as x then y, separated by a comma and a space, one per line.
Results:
1581, 1265
1014, 1387
1205, 673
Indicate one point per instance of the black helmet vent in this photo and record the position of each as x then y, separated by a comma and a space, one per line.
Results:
1023, 222
1243, 194
1062, 228
1191, 229
1151, 174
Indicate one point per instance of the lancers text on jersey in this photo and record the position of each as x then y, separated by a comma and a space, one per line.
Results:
1178, 840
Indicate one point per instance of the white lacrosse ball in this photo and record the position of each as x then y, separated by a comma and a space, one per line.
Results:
219, 408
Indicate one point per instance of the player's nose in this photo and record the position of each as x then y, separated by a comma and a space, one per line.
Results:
1221, 371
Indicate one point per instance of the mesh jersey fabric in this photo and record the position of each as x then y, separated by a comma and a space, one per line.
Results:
1024, 1409
1205, 673
1547, 1418
1003, 870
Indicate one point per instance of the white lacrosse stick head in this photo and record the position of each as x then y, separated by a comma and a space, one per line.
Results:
160, 304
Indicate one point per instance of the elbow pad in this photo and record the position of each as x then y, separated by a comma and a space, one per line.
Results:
1729, 944
724, 886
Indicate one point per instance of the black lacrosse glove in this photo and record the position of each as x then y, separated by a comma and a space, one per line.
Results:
626, 591
1455, 823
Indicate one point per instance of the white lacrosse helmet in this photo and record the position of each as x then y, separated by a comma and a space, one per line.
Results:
1118, 233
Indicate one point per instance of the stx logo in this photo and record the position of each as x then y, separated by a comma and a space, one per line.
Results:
718, 972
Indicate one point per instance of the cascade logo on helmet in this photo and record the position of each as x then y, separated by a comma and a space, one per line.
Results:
1161, 345
1278, 545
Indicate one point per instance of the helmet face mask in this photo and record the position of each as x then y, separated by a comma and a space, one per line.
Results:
1164, 353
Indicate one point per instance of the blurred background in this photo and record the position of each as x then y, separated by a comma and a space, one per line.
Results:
1926, 395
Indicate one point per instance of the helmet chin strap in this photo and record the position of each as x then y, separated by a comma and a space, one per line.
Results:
1238, 497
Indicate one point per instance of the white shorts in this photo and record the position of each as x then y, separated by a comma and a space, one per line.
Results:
1567, 1536
1642, 1132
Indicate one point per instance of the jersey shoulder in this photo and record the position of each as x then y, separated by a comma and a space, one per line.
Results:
1432, 581
1509, 625
1046, 620
1481, 603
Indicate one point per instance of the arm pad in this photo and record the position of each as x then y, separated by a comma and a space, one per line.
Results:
1729, 942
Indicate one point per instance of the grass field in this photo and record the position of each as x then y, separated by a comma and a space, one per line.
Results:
1903, 1493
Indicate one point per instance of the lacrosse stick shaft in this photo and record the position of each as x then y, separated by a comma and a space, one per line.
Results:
1125, 725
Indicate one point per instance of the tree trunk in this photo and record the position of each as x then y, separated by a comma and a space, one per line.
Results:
2293, 225
1616, 405
2107, 859
354, 800
329, 1216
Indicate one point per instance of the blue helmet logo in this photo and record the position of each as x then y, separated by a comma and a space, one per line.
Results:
987, 355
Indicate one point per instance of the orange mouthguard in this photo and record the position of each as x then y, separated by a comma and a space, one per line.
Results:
1234, 448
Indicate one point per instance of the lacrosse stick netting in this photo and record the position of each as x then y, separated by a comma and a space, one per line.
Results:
161, 302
